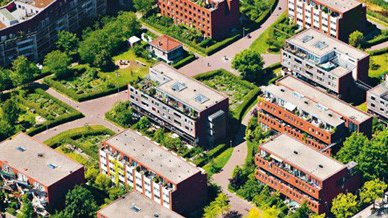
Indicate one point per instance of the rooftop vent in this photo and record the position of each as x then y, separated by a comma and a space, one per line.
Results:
320, 45
282, 90
320, 166
134, 208
40, 154
307, 38
201, 98
21, 148
295, 152
156, 215
178, 86
52, 166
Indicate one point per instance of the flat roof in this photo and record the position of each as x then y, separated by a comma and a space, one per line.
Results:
311, 107
380, 90
165, 43
324, 99
153, 156
193, 93
303, 157
36, 160
340, 6
321, 44
136, 205
41, 3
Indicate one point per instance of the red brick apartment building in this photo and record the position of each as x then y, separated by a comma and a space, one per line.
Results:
336, 18
308, 114
303, 174
213, 18
132, 159
28, 166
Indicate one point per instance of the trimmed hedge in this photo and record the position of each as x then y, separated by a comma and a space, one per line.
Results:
184, 61
377, 40
50, 124
378, 52
214, 152
78, 132
247, 101
83, 97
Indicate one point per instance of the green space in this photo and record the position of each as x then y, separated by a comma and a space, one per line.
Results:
273, 38
256, 10
362, 107
378, 65
240, 92
377, 9
32, 110
216, 164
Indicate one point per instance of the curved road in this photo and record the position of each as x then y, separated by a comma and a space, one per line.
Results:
218, 61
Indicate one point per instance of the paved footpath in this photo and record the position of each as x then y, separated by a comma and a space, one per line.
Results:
218, 61
238, 158
93, 110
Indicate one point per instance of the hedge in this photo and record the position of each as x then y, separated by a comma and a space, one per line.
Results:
247, 101
78, 132
214, 152
378, 52
50, 124
84, 97
184, 61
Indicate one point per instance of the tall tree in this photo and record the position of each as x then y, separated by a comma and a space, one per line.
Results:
23, 71
27, 210
344, 205
372, 190
352, 147
356, 39
80, 203
11, 111
5, 80
58, 63
67, 42
249, 63
6, 129
143, 6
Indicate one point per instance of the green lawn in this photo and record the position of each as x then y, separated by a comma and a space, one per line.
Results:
260, 44
362, 107
220, 161
380, 63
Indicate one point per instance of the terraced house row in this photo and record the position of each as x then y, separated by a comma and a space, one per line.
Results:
134, 160
213, 18
311, 115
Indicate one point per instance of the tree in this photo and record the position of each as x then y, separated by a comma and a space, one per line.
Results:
302, 212
222, 202
67, 42
103, 182
143, 124
143, 6
351, 147
23, 71
123, 114
372, 190
91, 174
6, 129
5, 80
249, 63
11, 111
356, 39
80, 203
372, 161
58, 63
344, 205
103, 60
27, 210
254, 212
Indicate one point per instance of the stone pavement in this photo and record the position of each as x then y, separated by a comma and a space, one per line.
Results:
218, 61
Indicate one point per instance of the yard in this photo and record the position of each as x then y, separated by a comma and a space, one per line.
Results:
89, 82
273, 38
378, 65
37, 110
241, 93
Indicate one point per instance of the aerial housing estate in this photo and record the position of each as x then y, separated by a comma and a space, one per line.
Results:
300, 110
303, 174
30, 167
213, 18
336, 18
181, 104
30, 27
377, 100
134, 160
325, 62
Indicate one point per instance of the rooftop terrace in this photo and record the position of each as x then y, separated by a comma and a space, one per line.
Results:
308, 160
153, 156
317, 96
36, 160
340, 6
136, 205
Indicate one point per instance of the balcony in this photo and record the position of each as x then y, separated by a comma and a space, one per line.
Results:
289, 175
282, 127
297, 119
287, 190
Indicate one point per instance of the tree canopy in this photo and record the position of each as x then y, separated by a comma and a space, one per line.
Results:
249, 63
217, 207
23, 71
27, 210
143, 6
344, 205
80, 203
58, 63
67, 42
356, 39
372, 190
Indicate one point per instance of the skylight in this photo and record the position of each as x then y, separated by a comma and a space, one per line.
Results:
21, 148
320, 45
201, 98
52, 166
307, 38
178, 86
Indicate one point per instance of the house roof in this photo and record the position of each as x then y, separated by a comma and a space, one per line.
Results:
165, 43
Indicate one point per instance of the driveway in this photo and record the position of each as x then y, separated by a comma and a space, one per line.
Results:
218, 61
